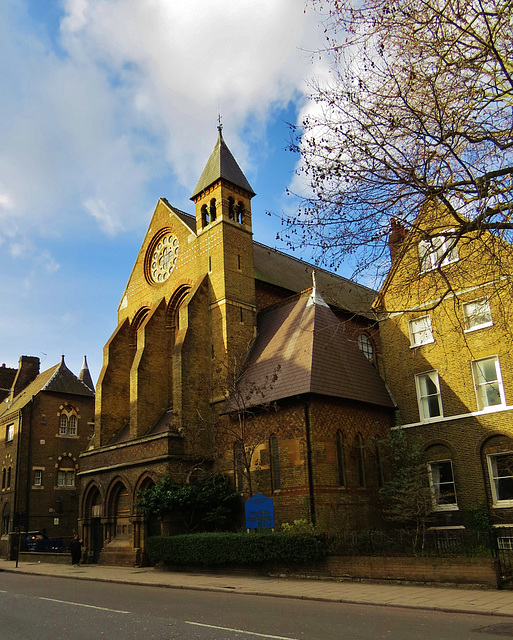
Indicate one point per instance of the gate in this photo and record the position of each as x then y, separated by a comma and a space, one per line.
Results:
502, 538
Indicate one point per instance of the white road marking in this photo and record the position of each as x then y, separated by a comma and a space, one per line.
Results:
79, 604
250, 633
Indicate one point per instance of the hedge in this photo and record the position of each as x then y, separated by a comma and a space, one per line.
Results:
210, 549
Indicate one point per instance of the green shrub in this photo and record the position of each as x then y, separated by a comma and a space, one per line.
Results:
213, 549
298, 527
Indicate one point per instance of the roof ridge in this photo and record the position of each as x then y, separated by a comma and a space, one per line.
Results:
314, 266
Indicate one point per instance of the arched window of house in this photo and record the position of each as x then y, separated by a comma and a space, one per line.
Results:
68, 421
240, 212
72, 425
213, 210
231, 208
379, 467
3, 477
274, 463
63, 425
8, 478
360, 459
366, 345
341, 459
66, 472
204, 216
238, 465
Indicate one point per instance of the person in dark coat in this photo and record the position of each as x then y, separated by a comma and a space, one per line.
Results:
75, 548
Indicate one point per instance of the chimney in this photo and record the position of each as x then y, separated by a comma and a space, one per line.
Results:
28, 369
396, 238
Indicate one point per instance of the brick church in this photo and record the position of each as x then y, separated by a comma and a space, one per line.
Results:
224, 349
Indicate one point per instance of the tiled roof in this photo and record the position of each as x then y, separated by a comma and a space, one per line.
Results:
293, 274
222, 164
304, 348
58, 378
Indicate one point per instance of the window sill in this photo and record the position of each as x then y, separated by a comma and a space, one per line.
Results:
66, 435
492, 408
503, 504
421, 344
37, 487
479, 326
433, 419
446, 507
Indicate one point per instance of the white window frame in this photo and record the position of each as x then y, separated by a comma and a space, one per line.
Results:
491, 459
431, 250
65, 478
9, 432
38, 477
480, 384
366, 345
416, 337
63, 425
435, 485
422, 398
72, 425
470, 315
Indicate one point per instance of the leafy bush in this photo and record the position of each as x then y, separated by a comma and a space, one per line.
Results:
212, 549
301, 527
206, 506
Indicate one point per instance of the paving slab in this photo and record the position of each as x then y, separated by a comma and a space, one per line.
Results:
461, 600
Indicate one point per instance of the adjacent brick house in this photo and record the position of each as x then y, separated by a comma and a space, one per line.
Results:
448, 362
46, 420
203, 303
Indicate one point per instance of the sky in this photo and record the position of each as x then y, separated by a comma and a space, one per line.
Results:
108, 105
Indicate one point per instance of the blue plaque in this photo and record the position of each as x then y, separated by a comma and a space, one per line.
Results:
259, 512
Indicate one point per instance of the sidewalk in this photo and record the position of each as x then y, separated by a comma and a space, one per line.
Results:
488, 602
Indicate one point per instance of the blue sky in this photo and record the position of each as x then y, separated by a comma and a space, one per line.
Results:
107, 105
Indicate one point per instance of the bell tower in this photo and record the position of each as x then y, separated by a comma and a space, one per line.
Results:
224, 230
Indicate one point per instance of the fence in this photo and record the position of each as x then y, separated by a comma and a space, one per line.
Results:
431, 543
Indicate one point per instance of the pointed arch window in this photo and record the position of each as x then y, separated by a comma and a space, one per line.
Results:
68, 421
379, 466
360, 460
274, 455
213, 210
9, 477
231, 208
240, 212
238, 465
4, 472
204, 216
341, 459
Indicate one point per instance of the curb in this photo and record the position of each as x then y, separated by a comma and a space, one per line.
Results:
265, 594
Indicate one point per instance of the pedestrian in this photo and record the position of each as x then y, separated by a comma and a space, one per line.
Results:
75, 548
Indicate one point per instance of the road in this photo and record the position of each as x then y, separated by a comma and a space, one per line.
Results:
60, 609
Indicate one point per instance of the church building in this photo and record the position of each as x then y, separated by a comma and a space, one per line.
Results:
224, 349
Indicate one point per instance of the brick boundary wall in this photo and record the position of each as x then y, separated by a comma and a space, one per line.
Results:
477, 572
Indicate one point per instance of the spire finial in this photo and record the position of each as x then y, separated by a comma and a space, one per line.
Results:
315, 298
219, 123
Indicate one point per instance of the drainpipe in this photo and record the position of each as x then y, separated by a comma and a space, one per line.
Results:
29, 465
309, 466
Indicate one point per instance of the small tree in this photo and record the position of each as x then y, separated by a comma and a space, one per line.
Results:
417, 109
406, 497
243, 426
202, 506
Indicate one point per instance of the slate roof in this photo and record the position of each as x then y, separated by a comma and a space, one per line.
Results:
58, 379
301, 348
290, 273
221, 164
85, 375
